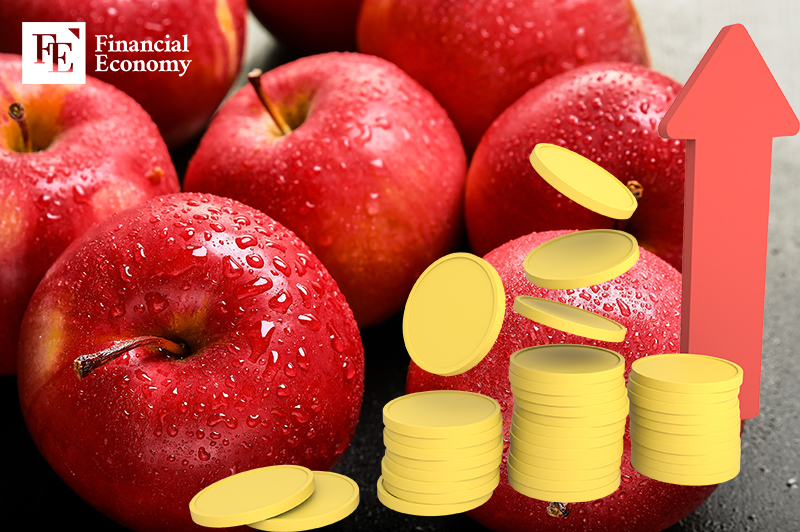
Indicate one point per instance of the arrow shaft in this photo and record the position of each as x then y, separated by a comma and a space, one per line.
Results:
725, 250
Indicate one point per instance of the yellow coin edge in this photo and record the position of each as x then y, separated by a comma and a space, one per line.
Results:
284, 523
579, 474
573, 422
682, 459
572, 411
686, 387
559, 443
680, 398
612, 449
458, 442
221, 521
562, 390
423, 475
417, 431
584, 496
495, 454
417, 453
567, 485
534, 427
568, 326
570, 400
425, 510
697, 449
685, 419
578, 196
444, 497
686, 430
678, 408
493, 331
686, 480
434, 486
535, 376
682, 469
686, 439
599, 277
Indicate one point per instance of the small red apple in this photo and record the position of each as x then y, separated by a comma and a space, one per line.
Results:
646, 300
180, 105
91, 151
478, 57
370, 176
312, 26
209, 340
607, 112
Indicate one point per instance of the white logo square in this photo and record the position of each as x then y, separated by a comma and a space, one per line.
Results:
54, 52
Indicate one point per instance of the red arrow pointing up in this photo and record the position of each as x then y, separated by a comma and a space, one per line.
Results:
729, 110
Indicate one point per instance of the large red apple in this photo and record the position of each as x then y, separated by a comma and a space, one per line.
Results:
607, 112
312, 26
92, 151
478, 57
371, 175
243, 353
646, 300
180, 105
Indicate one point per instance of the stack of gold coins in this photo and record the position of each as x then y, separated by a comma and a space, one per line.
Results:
570, 408
443, 452
685, 420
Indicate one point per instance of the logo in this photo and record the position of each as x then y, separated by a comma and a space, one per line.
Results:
54, 52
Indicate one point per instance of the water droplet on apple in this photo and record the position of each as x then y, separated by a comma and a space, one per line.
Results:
299, 414
203, 455
231, 268
282, 391
255, 260
155, 302
246, 241
281, 266
257, 286
310, 321
349, 369
281, 302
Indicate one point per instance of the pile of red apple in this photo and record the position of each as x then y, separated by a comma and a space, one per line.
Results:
216, 330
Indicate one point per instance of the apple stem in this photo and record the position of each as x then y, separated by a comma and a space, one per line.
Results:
254, 77
17, 113
636, 188
85, 364
558, 509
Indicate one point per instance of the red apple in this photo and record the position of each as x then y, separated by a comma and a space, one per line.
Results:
242, 354
180, 105
93, 151
312, 26
478, 57
371, 175
607, 112
646, 300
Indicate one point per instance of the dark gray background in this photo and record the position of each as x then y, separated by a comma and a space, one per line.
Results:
765, 495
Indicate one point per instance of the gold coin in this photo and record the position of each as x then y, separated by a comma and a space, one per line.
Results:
569, 319
684, 373
583, 181
685, 419
681, 409
685, 469
564, 497
688, 439
566, 465
412, 508
447, 443
569, 443
435, 486
562, 486
680, 398
591, 421
581, 259
425, 475
733, 454
572, 411
689, 430
453, 497
571, 400
418, 453
563, 390
251, 496
567, 364
454, 314
562, 475
449, 465
702, 449
334, 498
564, 454
684, 480
441, 414
519, 419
